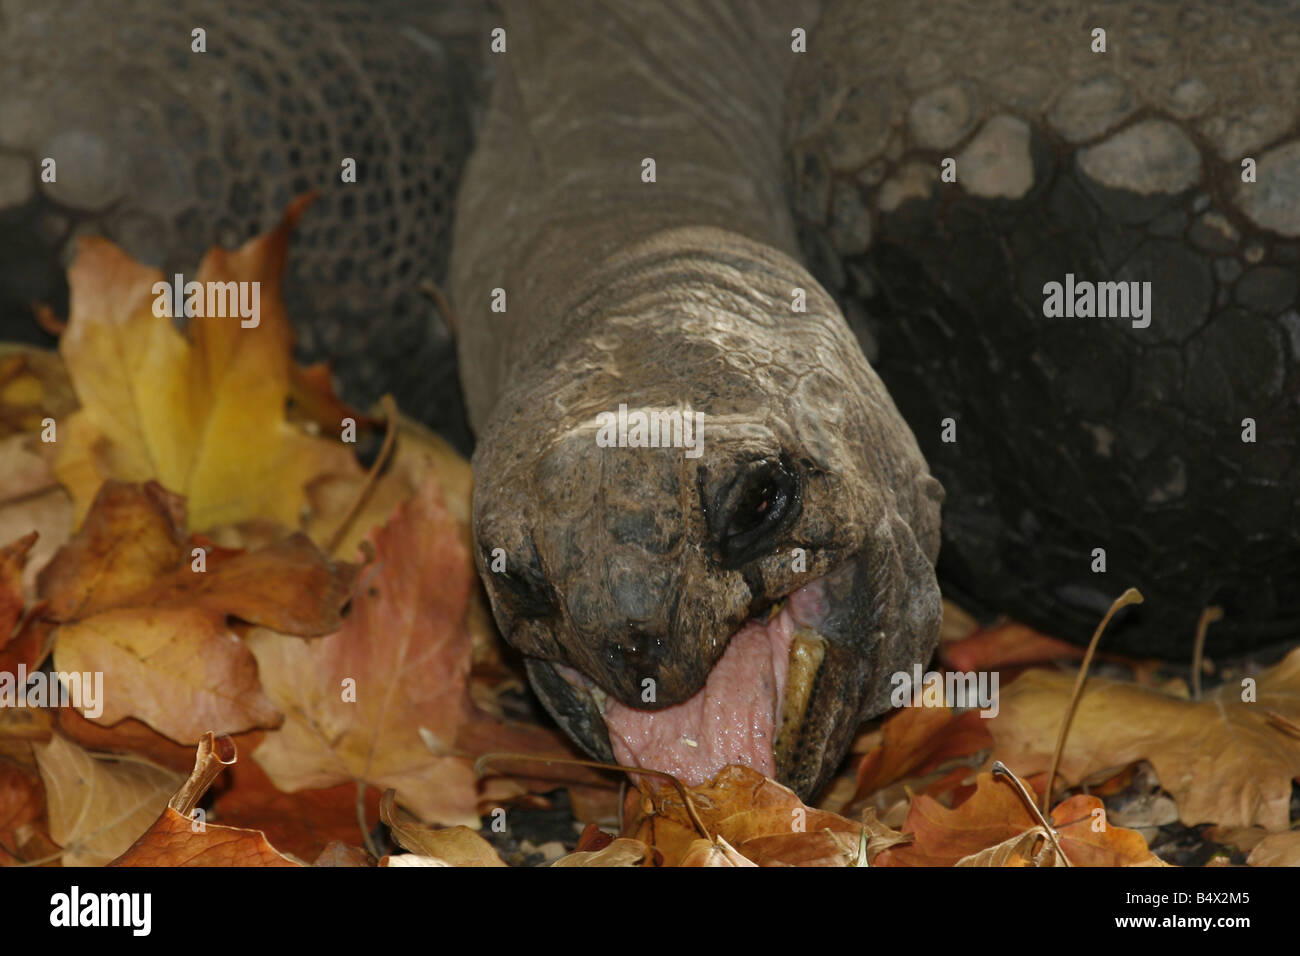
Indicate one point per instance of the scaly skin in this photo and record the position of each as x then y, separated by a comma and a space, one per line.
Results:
1076, 434
167, 151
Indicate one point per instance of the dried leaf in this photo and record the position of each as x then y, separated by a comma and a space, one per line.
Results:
1277, 849
1006, 645
33, 386
134, 608
1031, 848
412, 859
621, 852
764, 821
994, 814
31, 500
458, 846
22, 804
918, 739
419, 453
304, 823
203, 415
715, 853
1223, 760
98, 807
177, 838
340, 854
174, 841
357, 701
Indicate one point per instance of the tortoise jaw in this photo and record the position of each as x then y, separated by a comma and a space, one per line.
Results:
758, 707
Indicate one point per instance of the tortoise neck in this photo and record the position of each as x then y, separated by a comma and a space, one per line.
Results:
608, 123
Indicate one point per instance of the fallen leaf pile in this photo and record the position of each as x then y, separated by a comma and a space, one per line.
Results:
284, 659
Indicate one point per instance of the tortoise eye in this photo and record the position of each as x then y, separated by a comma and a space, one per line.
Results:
762, 501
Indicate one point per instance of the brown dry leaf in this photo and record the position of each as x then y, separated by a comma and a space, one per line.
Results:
34, 386
31, 500
715, 853
621, 852
125, 737
418, 454
20, 727
22, 804
1031, 848
130, 538
178, 838
1006, 645
917, 739
303, 823
403, 655
1277, 849
994, 814
172, 841
98, 807
761, 819
312, 399
132, 606
13, 558
412, 859
458, 846
29, 646
341, 854
204, 414
1223, 760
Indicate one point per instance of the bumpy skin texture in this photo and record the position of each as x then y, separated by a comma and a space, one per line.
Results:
1077, 433
168, 151
618, 562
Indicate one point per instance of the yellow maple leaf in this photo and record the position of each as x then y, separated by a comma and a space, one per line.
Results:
205, 414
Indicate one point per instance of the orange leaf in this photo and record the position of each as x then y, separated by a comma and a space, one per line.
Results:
172, 841
303, 823
134, 607
358, 701
178, 839
760, 819
22, 804
1006, 645
917, 739
995, 814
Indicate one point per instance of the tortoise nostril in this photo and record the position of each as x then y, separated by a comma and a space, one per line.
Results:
638, 651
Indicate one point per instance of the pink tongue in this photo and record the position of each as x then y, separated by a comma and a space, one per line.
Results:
731, 720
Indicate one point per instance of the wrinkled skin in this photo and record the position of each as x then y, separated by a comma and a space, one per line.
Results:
619, 561
625, 563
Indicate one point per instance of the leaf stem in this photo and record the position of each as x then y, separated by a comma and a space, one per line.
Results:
390, 415
1130, 596
1208, 617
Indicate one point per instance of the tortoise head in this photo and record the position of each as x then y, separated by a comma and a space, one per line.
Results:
701, 519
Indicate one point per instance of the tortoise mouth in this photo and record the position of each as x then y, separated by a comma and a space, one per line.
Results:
750, 710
